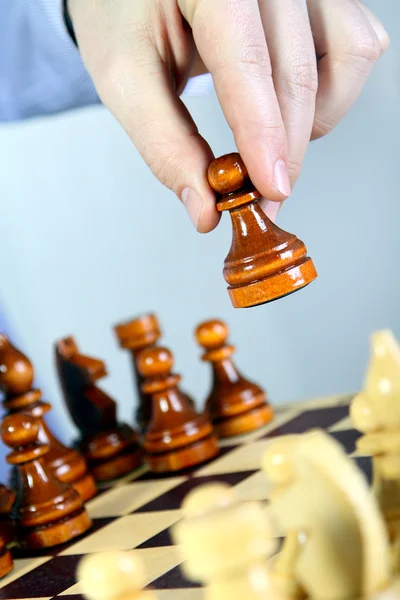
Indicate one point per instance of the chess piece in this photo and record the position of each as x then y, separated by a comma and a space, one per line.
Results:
47, 512
7, 499
264, 262
226, 544
320, 498
16, 378
176, 437
235, 405
6, 561
110, 448
113, 576
137, 335
376, 413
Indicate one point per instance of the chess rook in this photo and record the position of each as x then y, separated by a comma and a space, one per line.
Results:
136, 335
176, 437
47, 512
110, 448
16, 379
264, 262
235, 405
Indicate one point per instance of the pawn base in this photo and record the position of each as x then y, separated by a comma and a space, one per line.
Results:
6, 563
275, 286
55, 533
117, 466
86, 487
182, 458
244, 423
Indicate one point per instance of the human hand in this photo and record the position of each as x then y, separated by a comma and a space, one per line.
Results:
285, 72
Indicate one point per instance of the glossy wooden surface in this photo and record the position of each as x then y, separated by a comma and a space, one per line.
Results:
16, 379
7, 499
137, 335
6, 561
111, 448
177, 437
235, 404
264, 262
47, 512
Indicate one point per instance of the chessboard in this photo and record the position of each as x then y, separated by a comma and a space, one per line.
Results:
138, 510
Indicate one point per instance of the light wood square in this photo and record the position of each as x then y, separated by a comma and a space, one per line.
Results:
122, 500
125, 533
157, 561
246, 458
255, 487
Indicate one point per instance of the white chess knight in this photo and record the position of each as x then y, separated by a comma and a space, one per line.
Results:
322, 501
376, 413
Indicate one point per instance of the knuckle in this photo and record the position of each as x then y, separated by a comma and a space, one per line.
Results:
364, 45
254, 55
301, 79
321, 128
384, 40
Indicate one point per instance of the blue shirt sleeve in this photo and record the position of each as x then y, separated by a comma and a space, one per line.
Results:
41, 71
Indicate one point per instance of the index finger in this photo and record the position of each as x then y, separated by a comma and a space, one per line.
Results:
230, 38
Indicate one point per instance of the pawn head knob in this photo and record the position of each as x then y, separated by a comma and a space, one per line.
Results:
16, 371
227, 174
155, 362
212, 334
19, 430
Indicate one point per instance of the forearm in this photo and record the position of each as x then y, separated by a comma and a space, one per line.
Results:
41, 71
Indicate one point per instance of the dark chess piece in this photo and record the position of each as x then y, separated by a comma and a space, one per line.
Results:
47, 512
111, 448
137, 335
264, 262
177, 437
235, 405
16, 378
7, 499
6, 561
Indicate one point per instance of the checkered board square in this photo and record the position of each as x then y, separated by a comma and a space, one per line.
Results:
136, 512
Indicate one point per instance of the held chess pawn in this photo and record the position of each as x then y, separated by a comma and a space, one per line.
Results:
136, 335
264, 262
226, 544
47, 512
113, 576
235, 405
16, 378
176, 437
111, 448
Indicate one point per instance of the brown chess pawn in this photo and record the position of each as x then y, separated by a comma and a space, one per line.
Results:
176, 437
47, 512
264, 262
111, 448
235, 405
137, 335
7, 499
6, 561
16, 378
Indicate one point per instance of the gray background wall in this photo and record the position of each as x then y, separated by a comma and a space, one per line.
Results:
89, 238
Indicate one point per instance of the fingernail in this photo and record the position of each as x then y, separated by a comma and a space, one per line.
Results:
281, 178
270, 208
193, 204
